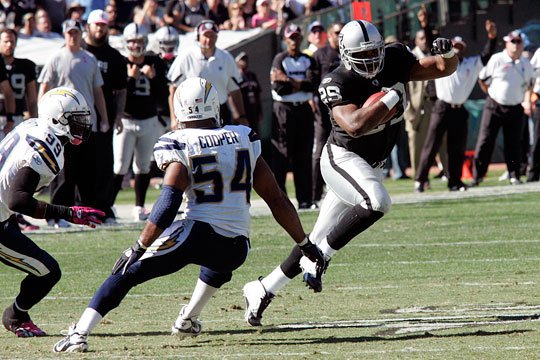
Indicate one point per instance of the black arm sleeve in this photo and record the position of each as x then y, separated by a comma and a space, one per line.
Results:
489, 49
21, 197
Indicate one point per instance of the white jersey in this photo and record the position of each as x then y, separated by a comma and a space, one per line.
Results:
220, 163
32, 144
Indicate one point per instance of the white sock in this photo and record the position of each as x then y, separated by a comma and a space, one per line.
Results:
201, 295
275, 281
327, 250
89, 320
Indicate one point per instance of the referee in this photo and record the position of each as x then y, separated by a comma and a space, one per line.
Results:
293, 76
217, 66
506, 78
449, 116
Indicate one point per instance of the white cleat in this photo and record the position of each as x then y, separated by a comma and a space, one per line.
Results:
73, 342
257, 300
184, 328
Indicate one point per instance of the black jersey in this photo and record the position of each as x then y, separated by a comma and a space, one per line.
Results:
342, 87
20, 73
144, 95
113, 68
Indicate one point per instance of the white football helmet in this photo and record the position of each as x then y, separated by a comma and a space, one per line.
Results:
361, 47
136, 37
196, 99
66, 113
167, 39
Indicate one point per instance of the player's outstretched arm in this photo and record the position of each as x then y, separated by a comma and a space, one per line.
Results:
283, 210
162, 216
442, 64
21, 199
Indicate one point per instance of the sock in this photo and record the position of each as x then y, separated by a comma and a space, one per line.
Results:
89, 320
201, 295
117, 186
275, 281
141, 187
326, 249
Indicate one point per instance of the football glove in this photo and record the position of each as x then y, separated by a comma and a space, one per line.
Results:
83, 215
443, 47
313, 253
128, 257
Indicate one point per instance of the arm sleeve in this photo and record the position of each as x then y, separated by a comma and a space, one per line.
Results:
489, 49
21, 197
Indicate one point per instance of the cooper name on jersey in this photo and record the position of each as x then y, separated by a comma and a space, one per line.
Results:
226, 138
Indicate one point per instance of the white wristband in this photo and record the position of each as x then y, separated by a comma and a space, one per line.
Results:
390, 99
304, 242
449, 54
141, 244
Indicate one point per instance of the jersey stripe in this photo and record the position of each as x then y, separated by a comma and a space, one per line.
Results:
44, 152
172, 144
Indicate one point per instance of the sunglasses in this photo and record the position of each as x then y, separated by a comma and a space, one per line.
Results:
516, 41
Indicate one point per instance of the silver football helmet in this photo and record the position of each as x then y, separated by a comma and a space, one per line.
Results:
167, 39
196, 99
361, 47
136, 38
66, 113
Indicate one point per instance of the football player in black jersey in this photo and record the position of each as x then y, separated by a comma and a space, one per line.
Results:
360, 141
21, 74
146, 88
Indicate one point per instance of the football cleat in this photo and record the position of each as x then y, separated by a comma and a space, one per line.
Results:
184, 328
73, 342
140, 214
22, 327
313, 273
257, 300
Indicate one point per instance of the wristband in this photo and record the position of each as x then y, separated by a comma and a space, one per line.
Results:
303, 242
141, 244
390, 99
9, 117
449, 54
56, 212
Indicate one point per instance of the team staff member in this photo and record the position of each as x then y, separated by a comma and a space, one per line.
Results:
146, 88
534, 170
112, 66
360, 142
32, 155
505, 79
215, 65
294, 77
74, 67
327, 59
449, 116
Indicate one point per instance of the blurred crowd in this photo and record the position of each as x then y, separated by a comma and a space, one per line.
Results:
43, 18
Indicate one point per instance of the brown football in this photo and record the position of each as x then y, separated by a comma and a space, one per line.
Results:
376, 97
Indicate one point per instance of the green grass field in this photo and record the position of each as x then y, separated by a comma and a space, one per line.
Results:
437, 280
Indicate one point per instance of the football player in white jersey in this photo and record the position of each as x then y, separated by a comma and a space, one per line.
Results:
215, 167
30, 158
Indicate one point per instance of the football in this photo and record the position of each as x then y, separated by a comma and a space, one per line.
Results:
376, 97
